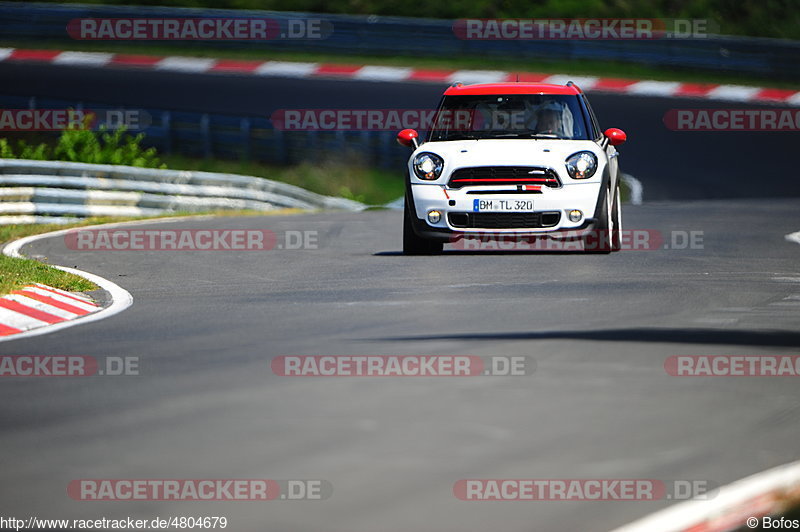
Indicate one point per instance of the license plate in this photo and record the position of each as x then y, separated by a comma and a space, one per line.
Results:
502, 205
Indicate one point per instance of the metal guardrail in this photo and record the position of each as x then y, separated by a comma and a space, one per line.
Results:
46, 191
776, 58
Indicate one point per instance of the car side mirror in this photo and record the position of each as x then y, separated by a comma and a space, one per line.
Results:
408, 138
616, 136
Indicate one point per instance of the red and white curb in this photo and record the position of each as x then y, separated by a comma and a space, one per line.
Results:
40, 305
42, 315
672, 89
737, 505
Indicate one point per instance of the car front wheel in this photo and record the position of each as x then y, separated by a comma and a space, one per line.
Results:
616, 222
599, 239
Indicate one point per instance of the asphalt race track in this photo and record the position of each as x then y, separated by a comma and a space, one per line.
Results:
205, 326
670, 164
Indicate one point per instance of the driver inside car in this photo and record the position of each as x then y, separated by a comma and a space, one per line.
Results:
548, 122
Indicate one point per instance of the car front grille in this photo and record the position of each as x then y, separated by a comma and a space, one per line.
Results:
504, 175
503, 220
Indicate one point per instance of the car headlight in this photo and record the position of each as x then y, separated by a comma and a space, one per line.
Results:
428, 166
581, 165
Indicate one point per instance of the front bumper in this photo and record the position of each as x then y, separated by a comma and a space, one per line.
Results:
550, 204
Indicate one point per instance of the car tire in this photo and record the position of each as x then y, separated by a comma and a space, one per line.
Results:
413, 244
616, 222
598, 240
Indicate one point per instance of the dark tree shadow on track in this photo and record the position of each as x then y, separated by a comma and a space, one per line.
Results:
766, 338
487, 252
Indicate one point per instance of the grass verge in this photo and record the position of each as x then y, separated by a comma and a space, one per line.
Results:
372, 186
16, 273
574, 68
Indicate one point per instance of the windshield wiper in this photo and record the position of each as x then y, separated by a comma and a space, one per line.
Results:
527, 135
461, 136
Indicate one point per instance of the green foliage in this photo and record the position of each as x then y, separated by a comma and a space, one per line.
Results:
103, 147
5, 150
16, 273
38, 153
82, 144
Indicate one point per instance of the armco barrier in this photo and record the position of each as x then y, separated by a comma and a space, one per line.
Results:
775, 58
44, 191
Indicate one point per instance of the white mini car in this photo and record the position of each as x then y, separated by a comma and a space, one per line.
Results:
513, 159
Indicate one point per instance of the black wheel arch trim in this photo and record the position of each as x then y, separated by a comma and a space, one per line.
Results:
604, 188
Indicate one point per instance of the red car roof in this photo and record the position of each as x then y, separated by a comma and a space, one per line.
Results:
511, 88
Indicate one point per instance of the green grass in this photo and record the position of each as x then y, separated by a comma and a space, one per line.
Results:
16, 273
575, 68
372, 186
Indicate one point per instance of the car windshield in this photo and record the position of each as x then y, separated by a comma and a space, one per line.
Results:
509, 116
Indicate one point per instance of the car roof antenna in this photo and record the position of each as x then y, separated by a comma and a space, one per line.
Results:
517, 77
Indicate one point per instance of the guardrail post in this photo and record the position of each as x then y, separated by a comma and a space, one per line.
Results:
244, 129
205, 129
366, 146
341, 143
314, 145
166, 123
386, 146
279, 145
